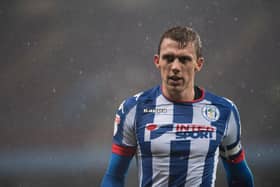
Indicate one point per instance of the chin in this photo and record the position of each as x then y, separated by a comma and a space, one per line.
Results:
173, 88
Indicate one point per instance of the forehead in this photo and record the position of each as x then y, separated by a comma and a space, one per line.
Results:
171, 46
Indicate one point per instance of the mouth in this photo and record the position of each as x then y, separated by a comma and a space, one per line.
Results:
175, 80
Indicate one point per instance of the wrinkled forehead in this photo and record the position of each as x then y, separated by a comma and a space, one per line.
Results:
171, 46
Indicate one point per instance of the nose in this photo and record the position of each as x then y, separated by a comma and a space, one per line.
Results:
175, 66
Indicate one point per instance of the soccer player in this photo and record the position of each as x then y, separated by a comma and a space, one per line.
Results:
178, 130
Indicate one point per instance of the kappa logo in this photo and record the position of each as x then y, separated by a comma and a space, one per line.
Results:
211, 113
155, 110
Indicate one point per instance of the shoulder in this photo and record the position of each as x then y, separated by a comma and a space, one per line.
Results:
140, 97
219, 100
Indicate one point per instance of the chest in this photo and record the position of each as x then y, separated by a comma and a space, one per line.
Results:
165, 129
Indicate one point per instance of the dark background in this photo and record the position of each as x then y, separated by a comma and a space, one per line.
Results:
66, 65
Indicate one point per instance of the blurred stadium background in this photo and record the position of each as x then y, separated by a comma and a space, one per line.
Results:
66, 66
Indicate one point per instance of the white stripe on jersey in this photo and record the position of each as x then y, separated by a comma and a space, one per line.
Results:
160, 170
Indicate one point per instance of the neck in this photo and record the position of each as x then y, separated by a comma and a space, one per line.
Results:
188, 94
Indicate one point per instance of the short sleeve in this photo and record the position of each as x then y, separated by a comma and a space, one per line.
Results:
231, 148
124, 124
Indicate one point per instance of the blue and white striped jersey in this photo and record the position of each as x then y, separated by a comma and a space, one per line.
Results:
177, 143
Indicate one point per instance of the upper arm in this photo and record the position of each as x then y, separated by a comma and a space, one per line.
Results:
230, 148
124, 125
124, 145
232, 153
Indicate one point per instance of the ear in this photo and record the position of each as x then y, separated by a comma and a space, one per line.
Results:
199, 64
156, 60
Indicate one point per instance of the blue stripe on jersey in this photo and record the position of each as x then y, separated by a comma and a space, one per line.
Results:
179, 150
145, 147
179, 154
147, 166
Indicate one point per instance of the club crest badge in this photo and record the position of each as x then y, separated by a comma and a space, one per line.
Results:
211, 113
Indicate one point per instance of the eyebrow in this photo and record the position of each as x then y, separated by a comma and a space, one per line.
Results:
186, 57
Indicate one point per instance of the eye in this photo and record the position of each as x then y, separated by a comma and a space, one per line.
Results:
168, 58
184, 59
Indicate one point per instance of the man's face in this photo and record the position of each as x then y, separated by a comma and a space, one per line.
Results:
177, 65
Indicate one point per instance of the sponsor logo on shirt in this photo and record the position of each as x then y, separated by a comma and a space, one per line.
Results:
193, 131
182, 131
